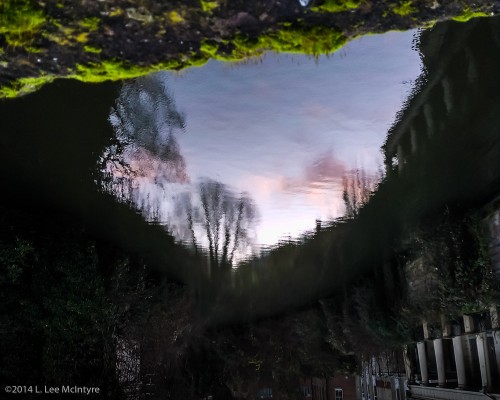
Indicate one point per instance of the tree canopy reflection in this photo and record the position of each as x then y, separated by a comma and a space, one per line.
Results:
146, 121
216, 215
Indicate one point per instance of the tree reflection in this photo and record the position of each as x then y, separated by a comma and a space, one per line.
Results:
146, 121
357, 187
219, 217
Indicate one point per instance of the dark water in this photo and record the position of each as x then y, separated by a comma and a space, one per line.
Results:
71, 146
302, 213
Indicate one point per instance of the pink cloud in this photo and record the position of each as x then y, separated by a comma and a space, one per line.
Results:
325, 169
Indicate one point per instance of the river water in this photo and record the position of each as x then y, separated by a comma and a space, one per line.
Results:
365, 179
233, 159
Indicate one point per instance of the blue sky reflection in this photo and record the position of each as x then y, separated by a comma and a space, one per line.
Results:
285, 129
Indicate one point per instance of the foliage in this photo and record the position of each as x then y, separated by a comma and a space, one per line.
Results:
456, 249
404, 8
337, 5
20, 20
146, 121
370, 315
55, 314
283, 348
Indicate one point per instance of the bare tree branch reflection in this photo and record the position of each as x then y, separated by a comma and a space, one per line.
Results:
218, 217
358, 186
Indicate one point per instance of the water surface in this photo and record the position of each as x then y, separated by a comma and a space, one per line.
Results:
284, 130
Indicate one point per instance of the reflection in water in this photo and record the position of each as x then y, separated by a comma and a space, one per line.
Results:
216, 218
358, 186
145, 148
291, 147
442, 170
415, 251
145, 159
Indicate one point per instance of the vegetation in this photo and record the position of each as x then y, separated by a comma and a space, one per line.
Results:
111, 70
208, 6
335, 6
70, 297
290, 38
404, 8
314, 40
468, 14
24, 86
455, 248
106, 41
175, 17
55, 314
20, 21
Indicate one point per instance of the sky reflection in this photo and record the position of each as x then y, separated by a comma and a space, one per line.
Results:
286, 129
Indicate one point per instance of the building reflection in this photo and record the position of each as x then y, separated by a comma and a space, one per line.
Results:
453, 104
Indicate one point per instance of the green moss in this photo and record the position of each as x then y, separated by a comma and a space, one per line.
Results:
92, 49
116, 12
208, 6
313, 41
113, 70
118, 70
82, 37
62, 37
337, 5
20, 20
24, 86
404, 8
209, 48
90, 24
175, 18
108, 70
468, 14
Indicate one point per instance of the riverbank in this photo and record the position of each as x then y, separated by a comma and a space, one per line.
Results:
119, 39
